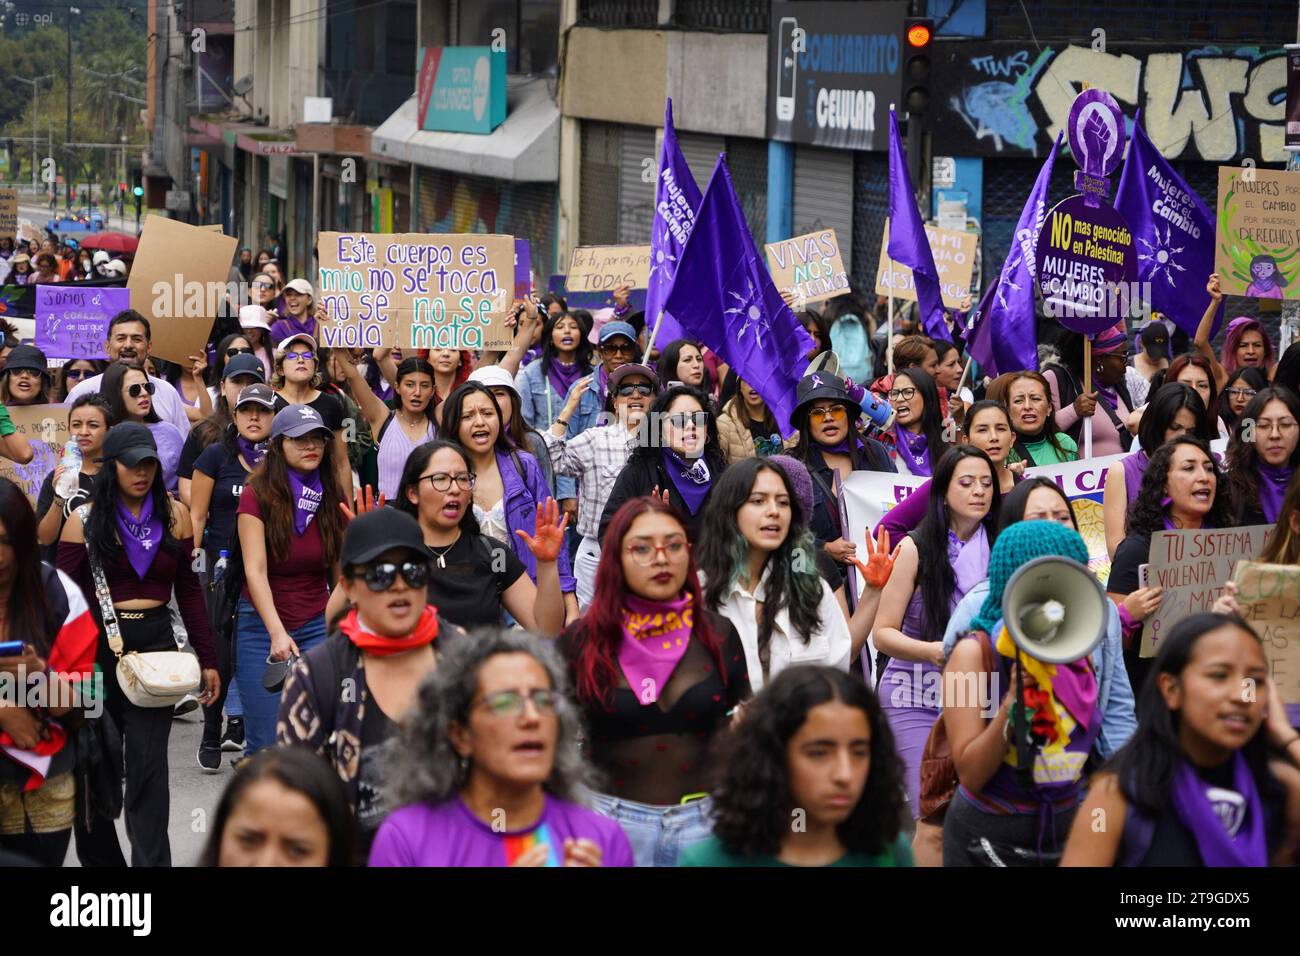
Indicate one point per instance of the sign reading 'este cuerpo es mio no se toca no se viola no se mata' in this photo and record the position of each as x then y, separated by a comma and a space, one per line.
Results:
416, 290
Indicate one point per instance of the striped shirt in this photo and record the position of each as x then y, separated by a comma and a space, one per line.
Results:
595, 457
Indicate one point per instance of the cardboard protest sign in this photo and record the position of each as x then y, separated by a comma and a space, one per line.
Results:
416, 290
72, 320
1257, 232
178, 282
954, 257
810, 265
1269, 597
9, 212
1192, 567
868, 495
602, 268
46, 427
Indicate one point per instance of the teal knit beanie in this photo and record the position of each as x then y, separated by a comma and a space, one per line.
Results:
1019, 544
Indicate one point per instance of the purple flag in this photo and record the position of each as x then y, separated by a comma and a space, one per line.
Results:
724, 296
1173, 230
907, 240
1001, 333
676, 200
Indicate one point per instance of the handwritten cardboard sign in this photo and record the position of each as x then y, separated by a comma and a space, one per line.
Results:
46, 428
810, 265
1257, 232
1269, 597
72, 321
416, 290
601, 268
954, 258
178, 282
1192, 567
9, 212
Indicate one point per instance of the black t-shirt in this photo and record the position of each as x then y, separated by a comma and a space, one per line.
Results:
378, 733
228, 477
1131, 554
478, 571
190, 452
45, 499
329, 407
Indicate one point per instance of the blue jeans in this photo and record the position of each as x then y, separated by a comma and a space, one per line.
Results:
658, 834
252, 647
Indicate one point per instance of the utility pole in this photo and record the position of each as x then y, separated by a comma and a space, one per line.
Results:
67, 179
35, 84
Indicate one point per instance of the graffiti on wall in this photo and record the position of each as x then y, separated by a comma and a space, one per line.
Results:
468, 204
1212, 104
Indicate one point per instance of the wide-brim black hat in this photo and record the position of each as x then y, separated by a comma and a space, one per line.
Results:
818, 387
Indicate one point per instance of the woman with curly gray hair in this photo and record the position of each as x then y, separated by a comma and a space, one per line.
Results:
488, 767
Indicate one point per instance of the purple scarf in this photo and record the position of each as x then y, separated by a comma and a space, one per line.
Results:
1273, 481
691, 481
914, 448
307, 494
843, 447
288, 326
562, 377
1227, 832
1108, 394
969, 560
140, 538
253, 452
655, 636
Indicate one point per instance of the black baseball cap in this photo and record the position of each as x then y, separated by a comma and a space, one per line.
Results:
244, 364
130, 443
376, 532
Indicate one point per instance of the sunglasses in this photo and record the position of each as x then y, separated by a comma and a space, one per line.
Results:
835, 412
78, 373
298, 356
232, 352
381, 577
627, 391
615, 348
682, 419
511, 703
135, 391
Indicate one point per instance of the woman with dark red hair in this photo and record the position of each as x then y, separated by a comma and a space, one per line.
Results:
656, 676
1246, 344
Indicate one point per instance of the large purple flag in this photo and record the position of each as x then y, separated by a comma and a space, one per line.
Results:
907, 240
676, 200
1173, 229
1000, 334
724, 296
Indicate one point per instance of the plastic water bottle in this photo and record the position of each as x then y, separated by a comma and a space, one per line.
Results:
219, 569
70, 480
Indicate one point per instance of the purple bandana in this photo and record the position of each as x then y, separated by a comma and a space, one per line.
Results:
1273, 481
1228, 825
969, 560
691, 481
913, 447
655, 636
307, 494
141, 537
562, 377
253, 452
1109, 395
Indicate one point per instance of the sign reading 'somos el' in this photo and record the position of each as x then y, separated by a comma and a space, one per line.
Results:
833, 70
461, 89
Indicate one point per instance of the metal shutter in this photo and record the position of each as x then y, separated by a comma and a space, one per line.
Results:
870, 210
701, 154
425, 203
636, 198
823, 194
598, 189
747, 163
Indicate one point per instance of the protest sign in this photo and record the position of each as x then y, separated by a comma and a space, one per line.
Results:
523, 269
601, 268
1269, 598
46, 428
72, 320
868, 495
1087, 265
178, 282
954, 258
1257, 229
1192, 567
9, 212
809, 265
416, 290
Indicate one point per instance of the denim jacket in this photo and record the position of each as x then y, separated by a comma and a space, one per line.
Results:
522, 496
1114, 695
540, 405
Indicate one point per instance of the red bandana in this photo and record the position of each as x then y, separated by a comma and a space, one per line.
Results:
424, 633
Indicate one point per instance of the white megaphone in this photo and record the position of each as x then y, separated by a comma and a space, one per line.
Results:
1055, 610
879, 414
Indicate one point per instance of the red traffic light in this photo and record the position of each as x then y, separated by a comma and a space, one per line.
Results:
918, 35
121, 187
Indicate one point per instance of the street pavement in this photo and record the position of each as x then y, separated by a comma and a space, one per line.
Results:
194, 794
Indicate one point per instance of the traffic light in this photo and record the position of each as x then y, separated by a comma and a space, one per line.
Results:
918, 38
138, 192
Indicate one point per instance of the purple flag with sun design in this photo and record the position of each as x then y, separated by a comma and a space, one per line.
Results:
908, 242
724, 296
1173, 229
676, 200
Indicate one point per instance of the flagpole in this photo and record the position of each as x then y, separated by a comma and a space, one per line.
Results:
964, 372
1087, 388
889, 341
650, 342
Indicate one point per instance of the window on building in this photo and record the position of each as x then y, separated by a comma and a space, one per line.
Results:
532, 30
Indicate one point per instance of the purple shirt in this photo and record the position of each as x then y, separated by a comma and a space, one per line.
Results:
450, 835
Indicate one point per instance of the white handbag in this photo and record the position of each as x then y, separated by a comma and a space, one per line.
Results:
149, 678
